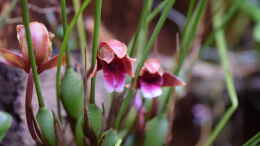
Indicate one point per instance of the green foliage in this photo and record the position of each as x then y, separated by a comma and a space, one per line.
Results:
79, 133
156, 131
95, 117
5, 124
256, 32
111, 139
253, 141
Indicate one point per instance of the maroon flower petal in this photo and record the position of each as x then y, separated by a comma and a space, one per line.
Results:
150, 90
129, 65
50, 64
13, 59
172, 80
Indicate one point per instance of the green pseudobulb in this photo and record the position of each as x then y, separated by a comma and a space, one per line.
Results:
45, 120
72, 93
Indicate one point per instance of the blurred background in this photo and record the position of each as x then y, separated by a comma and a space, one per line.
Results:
199, 105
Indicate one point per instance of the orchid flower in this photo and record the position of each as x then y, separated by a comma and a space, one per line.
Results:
41, 42
113, 60
152, 78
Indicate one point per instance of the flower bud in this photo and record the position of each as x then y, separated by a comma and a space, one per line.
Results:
72, 93
41, 42
45, 120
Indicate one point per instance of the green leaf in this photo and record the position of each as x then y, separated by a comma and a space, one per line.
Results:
112, 139
45, 120
256, 33
156, 131
253, 141
130, 119
5, 124
79, 133
95, 117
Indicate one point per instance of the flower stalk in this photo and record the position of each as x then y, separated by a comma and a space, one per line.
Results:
65, 26
222, 50
131, 92
26, 20
95, 47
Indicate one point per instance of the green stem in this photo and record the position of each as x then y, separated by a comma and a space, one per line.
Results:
26, 21
65, 26
156, 11
142, 22
222, 48
190, 10
226, 18
186, 43
82, 36
154, 35
95, 46
64, 46
253, 140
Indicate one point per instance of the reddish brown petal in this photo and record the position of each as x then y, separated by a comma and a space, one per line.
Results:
152, 65
129, 65
50, 64
119, 48
13, 58
93, 71
172, 80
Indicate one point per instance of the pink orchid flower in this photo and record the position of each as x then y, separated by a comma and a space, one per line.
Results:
151, 79
113, 60
41, 42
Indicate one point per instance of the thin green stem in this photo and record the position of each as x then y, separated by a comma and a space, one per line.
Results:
154, 35
188, 36
190, 9
64, 46
95, 46
82, 36
65, 26
156, 11
26, 21
141, 24
222, 49
226, 18
253, 140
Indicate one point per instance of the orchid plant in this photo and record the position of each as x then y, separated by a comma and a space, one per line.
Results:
131, 81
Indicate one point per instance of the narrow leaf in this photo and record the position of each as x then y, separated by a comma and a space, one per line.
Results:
95, 118
156, 131
112, 139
